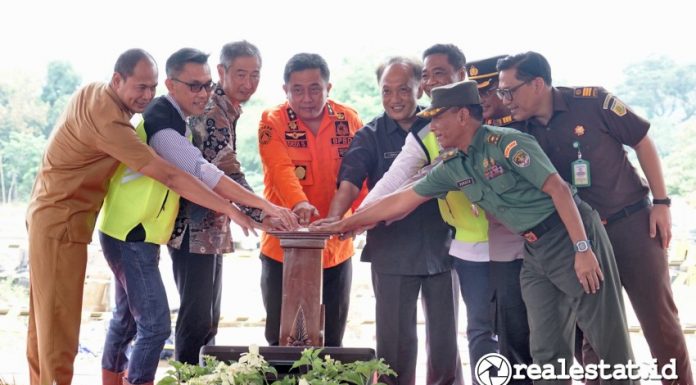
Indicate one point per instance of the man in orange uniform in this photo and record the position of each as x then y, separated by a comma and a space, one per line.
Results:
301, 143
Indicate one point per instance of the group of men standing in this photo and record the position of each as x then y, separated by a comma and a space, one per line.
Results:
532, 258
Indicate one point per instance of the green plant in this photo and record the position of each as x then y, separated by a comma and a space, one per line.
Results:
252, 369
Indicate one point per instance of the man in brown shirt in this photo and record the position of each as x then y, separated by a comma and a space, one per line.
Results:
583, 131
89, 141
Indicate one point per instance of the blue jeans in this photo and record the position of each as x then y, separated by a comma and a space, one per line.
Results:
141, 312
474, 281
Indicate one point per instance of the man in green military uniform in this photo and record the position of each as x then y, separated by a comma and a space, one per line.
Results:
569, 274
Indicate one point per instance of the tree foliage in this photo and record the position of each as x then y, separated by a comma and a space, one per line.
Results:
661, 88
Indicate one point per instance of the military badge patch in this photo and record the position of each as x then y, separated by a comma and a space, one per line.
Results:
265, 134
509, 148
292, 125
618, 107
579, 130
521, 159
495, 170
341, 116
342, 128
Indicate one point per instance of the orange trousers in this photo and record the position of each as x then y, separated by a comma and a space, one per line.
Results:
56, 282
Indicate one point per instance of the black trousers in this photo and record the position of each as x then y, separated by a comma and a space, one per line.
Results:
397, 338
198, 279
335, 297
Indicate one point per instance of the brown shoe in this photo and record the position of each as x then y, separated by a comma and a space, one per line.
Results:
125, 382
112, 378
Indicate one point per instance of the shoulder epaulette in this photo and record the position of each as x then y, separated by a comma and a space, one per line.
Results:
493, 138
586, 92
449, 154
500, 122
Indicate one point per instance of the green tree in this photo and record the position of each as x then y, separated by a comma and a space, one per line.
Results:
61, 81
20, 108
20, 155
355, 84
660, 88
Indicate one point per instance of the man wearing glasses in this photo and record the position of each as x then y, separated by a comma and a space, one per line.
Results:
139, 214
565, 278
584, 130
506, 248
202, 236
302, 143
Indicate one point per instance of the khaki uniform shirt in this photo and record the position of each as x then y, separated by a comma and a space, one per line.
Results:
502, 172
90, 139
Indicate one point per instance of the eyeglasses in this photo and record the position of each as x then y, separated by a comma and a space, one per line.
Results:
507, 93
197, 87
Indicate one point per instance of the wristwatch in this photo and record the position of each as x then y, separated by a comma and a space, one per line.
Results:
665, 201
582, 246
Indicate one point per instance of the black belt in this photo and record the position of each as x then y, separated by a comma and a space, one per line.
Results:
626, 211
547, 224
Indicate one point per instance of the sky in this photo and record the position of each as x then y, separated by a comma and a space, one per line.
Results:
587, 42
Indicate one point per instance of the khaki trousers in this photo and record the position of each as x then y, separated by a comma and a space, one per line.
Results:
56, 281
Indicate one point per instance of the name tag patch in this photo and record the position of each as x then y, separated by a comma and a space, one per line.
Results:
391, 154
465, 182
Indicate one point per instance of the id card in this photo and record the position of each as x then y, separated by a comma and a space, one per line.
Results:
580, 171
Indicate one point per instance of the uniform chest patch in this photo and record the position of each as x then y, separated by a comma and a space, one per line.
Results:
301, 172
465, 182
579, 130
391, 154
491, 169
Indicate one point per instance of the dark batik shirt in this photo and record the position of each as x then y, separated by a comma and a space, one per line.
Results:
214, 134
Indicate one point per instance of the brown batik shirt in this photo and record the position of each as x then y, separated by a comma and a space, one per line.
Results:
214, 133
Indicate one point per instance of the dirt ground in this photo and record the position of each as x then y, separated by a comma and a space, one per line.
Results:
242, 310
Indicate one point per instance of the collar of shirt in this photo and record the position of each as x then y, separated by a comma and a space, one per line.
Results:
219, 97
181, 113
112, 94
392, 125
559, 105
478, 140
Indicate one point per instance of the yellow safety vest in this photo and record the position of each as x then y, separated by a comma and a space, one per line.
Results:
134, 199
456, 208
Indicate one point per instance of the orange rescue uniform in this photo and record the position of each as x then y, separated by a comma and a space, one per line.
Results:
300, 166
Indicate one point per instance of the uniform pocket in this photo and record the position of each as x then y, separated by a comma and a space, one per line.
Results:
503, 183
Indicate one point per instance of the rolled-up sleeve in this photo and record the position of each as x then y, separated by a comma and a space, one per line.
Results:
176, 149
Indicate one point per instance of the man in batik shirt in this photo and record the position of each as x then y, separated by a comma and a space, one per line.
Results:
202, 236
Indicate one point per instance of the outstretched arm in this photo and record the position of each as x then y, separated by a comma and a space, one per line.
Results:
390, 207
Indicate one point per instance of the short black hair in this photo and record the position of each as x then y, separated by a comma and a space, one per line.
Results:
177, 61
415, 65
306, 61
231, 51
529, 65
126, 62
455, 56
